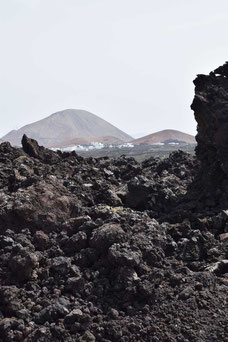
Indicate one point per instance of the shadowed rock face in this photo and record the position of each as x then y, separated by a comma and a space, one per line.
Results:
32, 148
211, 113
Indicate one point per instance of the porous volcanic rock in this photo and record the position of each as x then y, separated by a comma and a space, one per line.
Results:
114, 250
210, 106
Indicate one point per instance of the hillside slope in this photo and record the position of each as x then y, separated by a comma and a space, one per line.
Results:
88, 141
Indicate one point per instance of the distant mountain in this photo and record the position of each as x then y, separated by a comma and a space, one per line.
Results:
65, 125
165, 136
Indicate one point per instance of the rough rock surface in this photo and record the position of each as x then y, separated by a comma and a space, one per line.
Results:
114, 250
210, 105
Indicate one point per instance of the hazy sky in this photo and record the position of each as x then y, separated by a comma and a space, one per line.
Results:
131, 62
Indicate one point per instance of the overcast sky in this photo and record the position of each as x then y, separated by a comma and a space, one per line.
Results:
131, 62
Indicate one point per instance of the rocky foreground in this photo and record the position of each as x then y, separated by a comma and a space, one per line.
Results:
115, 250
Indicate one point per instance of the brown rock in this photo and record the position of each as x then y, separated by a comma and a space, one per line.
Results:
41, 240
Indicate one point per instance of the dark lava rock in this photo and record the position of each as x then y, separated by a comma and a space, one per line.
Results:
22, 263
75, 243
74, 316
115, 250
103, 237
11, 329
32, 148
210, 107
124, 256
60, 265
52, 312
41, 240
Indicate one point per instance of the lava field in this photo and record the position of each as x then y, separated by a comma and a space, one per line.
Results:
100, 249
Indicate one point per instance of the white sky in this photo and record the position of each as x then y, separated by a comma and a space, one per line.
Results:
131, 62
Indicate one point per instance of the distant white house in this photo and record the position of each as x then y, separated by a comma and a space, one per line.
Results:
95, 145
126, 145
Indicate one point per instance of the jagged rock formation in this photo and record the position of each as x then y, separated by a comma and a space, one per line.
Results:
112, 250
211, 113
68, 124
31, 147
210, 105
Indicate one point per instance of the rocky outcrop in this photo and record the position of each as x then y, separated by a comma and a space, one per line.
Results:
31, 147
114, 250
211, 113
